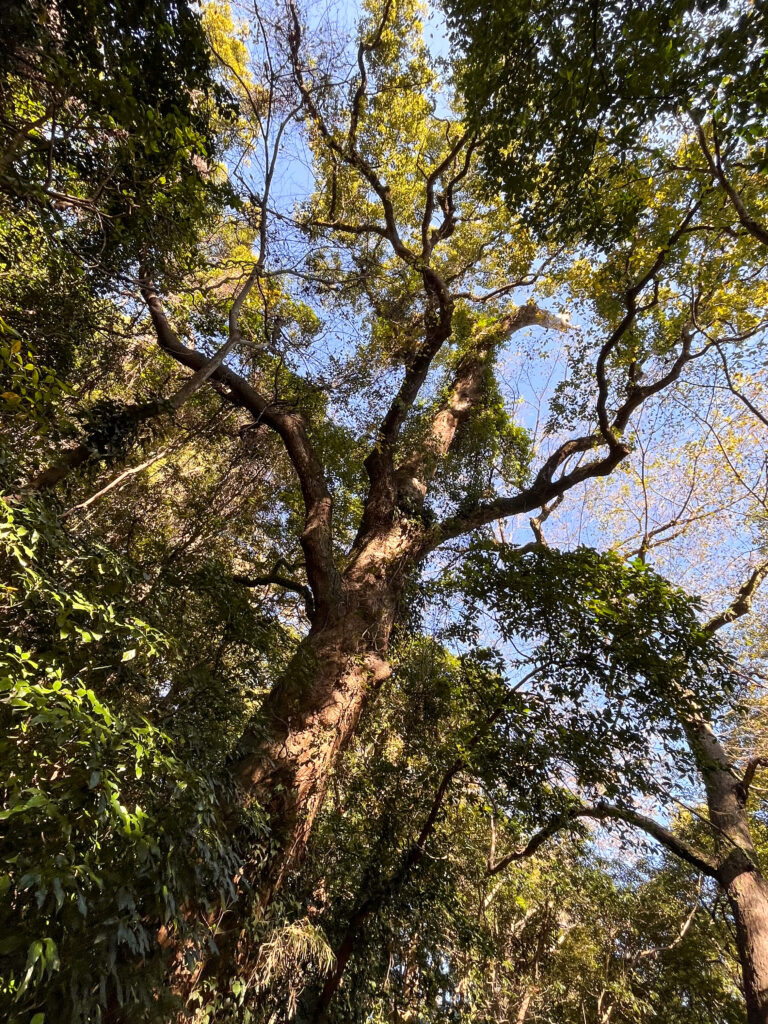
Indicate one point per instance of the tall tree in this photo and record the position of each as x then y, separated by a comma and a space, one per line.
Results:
235, 504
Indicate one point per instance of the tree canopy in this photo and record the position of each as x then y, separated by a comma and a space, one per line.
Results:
383, 513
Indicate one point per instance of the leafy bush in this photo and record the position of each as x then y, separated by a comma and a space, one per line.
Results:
114, 847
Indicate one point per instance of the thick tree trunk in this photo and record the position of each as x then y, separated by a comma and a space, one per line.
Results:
288, 752
313, 711
308, 719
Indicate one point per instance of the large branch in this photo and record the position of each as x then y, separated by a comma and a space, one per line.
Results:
545, 487
715, 165
275, 579
349, 152
631, 296
685, 851
742, 603
415, 472
540, 493
380, 501
316, 538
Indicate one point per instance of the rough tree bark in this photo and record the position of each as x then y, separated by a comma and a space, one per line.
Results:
748, 899
312, 712
734, 866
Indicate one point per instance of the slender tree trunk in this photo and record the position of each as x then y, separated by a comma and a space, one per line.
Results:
748, 898
738, 871
522, 1012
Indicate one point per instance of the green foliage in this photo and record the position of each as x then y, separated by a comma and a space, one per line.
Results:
156, 593
623, 656
108, 837
564, 92
31, 389
569, 928
113, 830
109, 117
489, 447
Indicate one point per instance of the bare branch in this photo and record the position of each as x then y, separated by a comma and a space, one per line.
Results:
316, 538
749, 773
545, 488
274, 579
682, 931
536, 522
631, 297
125, 475
414, 474
742, 603
685, 851
735, 391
